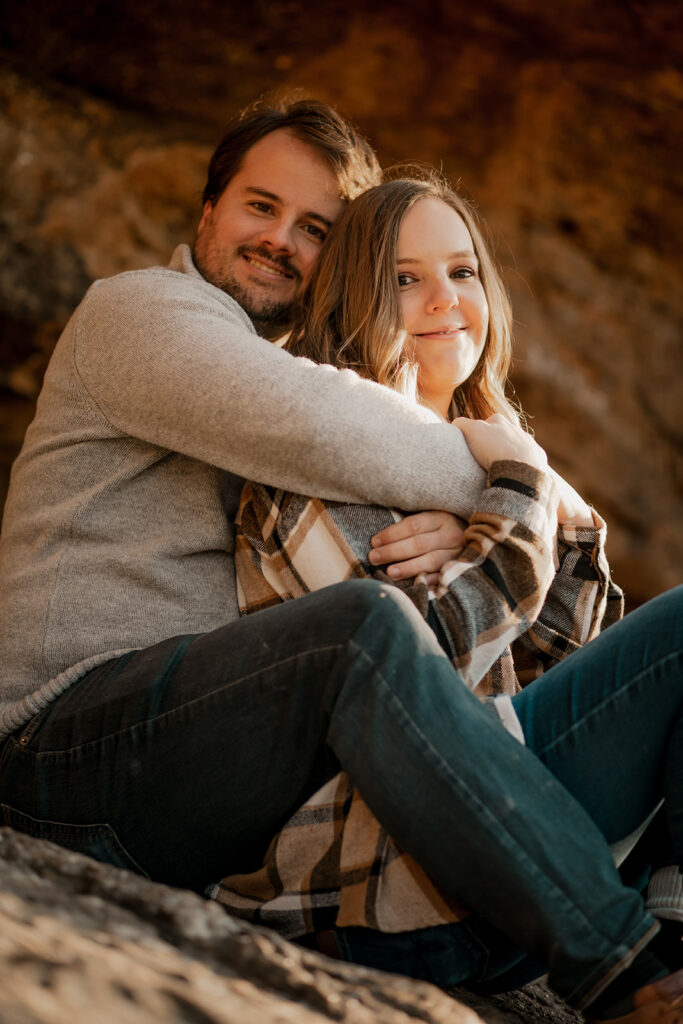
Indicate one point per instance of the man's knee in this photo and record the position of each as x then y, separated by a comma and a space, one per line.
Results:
388, 607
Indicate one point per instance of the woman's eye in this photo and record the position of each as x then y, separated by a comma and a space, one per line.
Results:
404, 279
462, 273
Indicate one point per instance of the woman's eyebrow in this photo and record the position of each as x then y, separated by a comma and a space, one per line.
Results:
451, 256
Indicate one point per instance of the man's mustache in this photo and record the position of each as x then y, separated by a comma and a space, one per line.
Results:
268, 257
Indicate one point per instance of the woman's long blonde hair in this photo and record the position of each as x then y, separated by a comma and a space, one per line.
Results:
350, 314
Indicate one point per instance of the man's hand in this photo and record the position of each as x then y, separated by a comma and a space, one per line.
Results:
421, 543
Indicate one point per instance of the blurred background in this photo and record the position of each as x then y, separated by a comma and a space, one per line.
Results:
562, 121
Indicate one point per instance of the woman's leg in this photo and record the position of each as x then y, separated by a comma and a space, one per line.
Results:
608, 722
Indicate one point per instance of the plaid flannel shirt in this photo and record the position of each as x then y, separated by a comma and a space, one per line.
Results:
516, 600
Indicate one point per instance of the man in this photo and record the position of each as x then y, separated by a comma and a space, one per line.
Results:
118, 525
144, 723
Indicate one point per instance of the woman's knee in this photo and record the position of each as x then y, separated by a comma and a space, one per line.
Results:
660, 622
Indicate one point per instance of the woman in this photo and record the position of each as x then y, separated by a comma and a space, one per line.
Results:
405, 293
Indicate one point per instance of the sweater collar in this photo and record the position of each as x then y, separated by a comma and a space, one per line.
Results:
182, 263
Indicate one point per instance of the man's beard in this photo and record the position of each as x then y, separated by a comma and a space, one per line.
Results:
270, 317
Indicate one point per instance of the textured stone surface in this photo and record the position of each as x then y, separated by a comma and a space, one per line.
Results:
563, 125
82, 942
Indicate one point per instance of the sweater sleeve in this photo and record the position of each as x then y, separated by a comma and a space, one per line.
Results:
581, 602
171, 360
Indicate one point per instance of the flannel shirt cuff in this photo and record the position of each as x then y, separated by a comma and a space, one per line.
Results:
524, 492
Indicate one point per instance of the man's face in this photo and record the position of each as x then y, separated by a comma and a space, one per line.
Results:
260, 240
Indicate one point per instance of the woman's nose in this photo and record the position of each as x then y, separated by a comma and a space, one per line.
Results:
444, 296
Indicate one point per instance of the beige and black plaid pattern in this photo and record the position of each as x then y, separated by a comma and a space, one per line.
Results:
516, 600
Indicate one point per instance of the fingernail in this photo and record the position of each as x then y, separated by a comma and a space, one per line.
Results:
374, 556
392, 571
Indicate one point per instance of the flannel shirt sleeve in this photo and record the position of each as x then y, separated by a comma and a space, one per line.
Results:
582, 601
287, 545
495, 588
259, 582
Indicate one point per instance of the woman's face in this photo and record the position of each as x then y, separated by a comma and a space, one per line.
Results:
443, 304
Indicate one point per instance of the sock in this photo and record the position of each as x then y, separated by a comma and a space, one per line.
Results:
616, 1000
665, 893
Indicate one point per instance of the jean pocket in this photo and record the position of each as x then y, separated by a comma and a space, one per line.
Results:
98, 841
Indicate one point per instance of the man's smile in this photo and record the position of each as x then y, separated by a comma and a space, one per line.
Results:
272, 268
260, 265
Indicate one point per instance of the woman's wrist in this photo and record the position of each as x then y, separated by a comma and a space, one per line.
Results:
572, 510
574, 515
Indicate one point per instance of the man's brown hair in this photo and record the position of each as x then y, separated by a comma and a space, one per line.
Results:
350, 156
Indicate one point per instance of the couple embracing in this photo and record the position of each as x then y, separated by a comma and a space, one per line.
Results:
238, 657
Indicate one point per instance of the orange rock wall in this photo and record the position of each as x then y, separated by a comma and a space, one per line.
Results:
563, 122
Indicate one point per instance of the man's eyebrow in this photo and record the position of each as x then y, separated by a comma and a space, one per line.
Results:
276, 199
451, 256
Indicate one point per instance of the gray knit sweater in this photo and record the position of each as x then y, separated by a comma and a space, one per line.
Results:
118, 526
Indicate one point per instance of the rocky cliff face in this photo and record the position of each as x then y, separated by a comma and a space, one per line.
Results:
562, 125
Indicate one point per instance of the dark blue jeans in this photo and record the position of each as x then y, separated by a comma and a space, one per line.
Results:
608, 724
182, 760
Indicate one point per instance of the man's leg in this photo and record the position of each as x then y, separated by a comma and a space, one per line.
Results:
194, 752
203, 766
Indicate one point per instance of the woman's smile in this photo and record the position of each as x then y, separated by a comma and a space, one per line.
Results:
440, 332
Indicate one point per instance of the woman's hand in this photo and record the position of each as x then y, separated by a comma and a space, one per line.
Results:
572, 509
418, 544
496, 438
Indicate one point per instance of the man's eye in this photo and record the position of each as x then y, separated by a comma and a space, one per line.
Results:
260, 207
315, 232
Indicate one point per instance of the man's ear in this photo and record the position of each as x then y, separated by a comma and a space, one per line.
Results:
206, 215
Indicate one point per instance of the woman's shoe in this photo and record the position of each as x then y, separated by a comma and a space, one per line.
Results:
661, 1002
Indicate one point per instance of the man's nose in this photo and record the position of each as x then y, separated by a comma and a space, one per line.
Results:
279, 235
